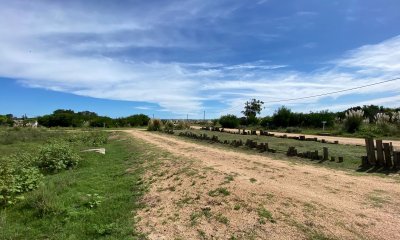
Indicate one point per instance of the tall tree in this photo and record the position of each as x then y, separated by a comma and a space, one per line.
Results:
252, 108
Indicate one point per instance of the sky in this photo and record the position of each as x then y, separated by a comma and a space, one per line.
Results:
180, 58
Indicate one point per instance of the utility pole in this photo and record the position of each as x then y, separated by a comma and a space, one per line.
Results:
204, 116
187, 117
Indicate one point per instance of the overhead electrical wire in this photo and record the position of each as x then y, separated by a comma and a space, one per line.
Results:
320, 95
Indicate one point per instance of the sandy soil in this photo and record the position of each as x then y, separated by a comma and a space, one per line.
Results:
342, 140
201, 192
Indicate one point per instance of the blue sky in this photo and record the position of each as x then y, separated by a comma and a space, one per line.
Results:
172, 58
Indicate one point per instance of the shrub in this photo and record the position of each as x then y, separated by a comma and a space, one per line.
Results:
229, 121
169, 125
182, 125
17, 175
353, 120
92, 138
154, 125
56, 157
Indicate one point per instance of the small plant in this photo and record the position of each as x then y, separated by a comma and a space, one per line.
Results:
93, 200
222, 219
56, 157
265, 214
105, 229
236, 207
219, 192
253, 180
155, 125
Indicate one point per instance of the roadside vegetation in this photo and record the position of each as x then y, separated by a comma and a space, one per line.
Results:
366, 121
50, 189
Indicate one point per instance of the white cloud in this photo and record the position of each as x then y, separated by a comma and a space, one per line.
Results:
45, 45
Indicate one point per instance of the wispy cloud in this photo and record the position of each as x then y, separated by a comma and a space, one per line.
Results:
70, 49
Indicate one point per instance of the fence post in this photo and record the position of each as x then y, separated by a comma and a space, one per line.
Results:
325, 153
379, 153
388, 157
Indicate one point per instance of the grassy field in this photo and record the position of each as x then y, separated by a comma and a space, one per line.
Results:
351, 154
98, 198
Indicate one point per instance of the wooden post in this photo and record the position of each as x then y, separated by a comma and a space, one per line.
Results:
396, 159
333, 159
369, 144
379, 153
325, 153
388, 157
340, 159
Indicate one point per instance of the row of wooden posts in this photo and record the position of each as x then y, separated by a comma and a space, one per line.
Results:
263, 147
265, 133
313, 155
380, 154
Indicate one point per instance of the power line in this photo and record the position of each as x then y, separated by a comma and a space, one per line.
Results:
322, 94
339, 91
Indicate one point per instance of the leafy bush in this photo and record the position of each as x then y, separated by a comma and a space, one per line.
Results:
56, 157
229, 121
154, 125
353, 120
17, 175
92, 138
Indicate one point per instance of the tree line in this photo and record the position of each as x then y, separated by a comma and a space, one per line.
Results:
69, 118
284, 117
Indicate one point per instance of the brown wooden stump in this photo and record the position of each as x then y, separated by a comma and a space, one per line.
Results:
369, 145
333, 159
379, 153
340, 159
335, 142
325, 154
364, 161
302, 137
388, 157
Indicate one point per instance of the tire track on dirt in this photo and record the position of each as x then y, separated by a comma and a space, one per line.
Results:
348, 206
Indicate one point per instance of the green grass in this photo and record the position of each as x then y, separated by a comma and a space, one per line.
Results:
97, 199
264, 214
219, 192
352, 154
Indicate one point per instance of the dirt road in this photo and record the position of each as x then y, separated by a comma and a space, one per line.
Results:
342, 140
201, 192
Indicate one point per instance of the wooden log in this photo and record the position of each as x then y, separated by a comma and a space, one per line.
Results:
302, 137
388, 157
340, 159
333, 159
335, 142
323, 141
380, 161
325, 153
